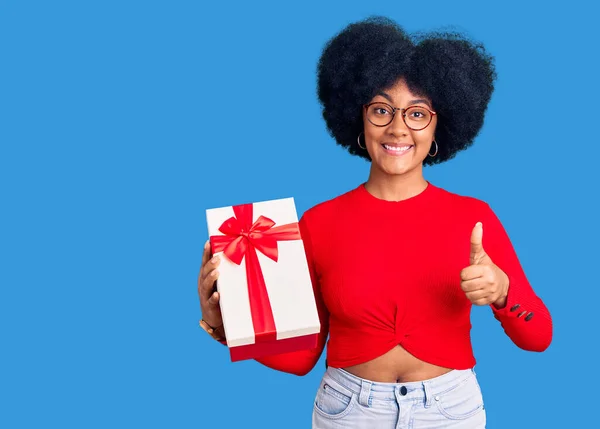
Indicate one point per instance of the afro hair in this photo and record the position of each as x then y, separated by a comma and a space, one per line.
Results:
368, 56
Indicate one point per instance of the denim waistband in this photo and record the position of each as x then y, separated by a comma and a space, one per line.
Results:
422, 390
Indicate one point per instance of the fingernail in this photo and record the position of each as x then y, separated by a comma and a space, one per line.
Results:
206, 244
214, 259
214, 273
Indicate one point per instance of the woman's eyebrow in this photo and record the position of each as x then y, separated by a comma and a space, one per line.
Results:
415, 101
420, 100
383, 94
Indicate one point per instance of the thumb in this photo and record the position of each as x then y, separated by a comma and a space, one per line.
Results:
477, 243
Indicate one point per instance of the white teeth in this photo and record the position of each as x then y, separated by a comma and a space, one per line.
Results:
397, 149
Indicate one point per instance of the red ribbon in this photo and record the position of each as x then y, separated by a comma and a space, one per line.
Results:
243, 238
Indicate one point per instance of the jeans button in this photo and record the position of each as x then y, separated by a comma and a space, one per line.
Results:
403, 390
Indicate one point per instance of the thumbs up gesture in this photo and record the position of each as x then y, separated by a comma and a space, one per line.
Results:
482, 281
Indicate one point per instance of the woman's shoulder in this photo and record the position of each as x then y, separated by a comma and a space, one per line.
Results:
332, 205
461, 200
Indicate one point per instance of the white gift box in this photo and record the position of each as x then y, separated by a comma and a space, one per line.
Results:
266, 295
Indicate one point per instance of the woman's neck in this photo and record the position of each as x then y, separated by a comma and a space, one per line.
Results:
396, 187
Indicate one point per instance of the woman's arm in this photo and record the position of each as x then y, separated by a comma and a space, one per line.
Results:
524, 317
302, 362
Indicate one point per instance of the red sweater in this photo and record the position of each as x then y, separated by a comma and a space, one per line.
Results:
388, 273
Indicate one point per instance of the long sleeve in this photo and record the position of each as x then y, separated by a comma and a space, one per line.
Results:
524, 318
302, 362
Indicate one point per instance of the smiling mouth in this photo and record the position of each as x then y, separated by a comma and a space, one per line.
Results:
397, 149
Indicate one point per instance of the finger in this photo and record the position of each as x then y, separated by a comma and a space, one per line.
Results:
472, 285
212, 264
208, 284
473, 272
478, 295
476, 242
214, 298
482, 301
207, 253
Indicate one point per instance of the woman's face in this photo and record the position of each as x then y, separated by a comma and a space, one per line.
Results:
396, 149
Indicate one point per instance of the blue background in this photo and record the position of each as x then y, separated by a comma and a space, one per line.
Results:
114, 142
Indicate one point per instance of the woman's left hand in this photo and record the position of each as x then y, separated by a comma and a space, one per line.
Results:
483, 282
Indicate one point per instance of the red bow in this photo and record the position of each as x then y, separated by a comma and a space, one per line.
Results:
242, 238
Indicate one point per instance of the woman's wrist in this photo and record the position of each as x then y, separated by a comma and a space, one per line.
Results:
217, 332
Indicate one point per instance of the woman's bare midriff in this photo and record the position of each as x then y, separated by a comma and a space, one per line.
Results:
397, 366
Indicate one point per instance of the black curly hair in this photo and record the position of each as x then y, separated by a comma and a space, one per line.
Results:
368, 56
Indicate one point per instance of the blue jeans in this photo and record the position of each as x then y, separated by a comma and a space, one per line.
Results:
452, 400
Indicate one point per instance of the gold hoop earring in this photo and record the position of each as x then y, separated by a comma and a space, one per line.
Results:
358, 140
436, 149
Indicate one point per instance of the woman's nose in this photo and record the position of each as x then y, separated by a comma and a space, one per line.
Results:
398, 126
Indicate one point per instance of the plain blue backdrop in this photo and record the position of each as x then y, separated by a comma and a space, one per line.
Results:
121, 122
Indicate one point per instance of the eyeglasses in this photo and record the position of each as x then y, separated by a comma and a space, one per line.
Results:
415, 117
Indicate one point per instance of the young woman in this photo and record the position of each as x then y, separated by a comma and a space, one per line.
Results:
397, 262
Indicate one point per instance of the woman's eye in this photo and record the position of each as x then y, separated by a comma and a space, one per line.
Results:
418, 114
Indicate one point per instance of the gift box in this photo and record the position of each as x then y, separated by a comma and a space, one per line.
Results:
266, 295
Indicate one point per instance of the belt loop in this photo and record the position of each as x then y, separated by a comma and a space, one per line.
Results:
427, 393
365, 393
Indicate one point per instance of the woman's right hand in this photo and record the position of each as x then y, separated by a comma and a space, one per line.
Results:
209, 297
